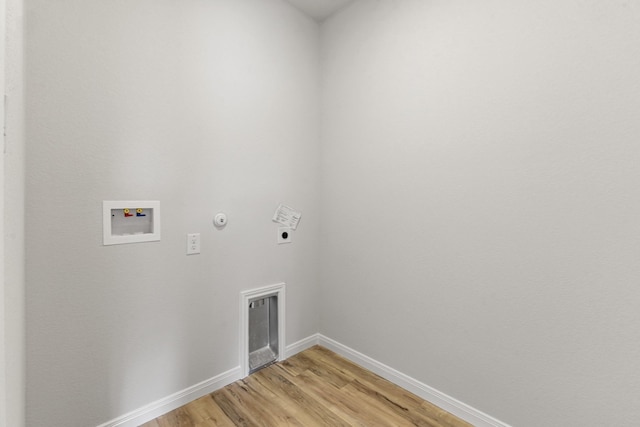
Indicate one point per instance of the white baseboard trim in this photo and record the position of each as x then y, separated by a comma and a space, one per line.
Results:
176, 400
167, 404
448, 403
301, 345
442, 400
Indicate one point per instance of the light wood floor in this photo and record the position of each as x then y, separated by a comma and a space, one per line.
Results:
313, 388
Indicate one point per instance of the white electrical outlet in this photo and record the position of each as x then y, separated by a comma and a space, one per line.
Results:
193, 244
284, 235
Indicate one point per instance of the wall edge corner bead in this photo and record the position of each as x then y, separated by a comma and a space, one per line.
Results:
130, 221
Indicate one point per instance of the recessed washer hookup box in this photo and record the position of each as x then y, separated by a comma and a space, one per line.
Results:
130, 222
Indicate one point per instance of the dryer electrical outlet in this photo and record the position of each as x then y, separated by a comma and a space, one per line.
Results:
285, 235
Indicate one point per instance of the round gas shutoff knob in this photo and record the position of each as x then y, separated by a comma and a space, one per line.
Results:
220, 220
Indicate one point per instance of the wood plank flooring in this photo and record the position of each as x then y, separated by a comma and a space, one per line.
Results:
314, 388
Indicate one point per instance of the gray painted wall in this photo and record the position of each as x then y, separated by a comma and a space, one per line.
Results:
478, 170
13, 218
480, 201
205, 106
3, 350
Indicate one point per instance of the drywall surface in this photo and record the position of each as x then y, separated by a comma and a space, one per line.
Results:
481, 218
204, 105
3, 350
320, 9
13, 413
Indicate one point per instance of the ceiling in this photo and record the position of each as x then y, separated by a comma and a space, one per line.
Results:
319, 9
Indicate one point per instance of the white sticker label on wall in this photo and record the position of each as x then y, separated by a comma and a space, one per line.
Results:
287, 216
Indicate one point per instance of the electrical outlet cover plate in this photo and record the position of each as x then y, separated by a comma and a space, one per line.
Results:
285, 234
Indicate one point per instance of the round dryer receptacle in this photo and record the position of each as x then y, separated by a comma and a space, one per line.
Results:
220, 220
